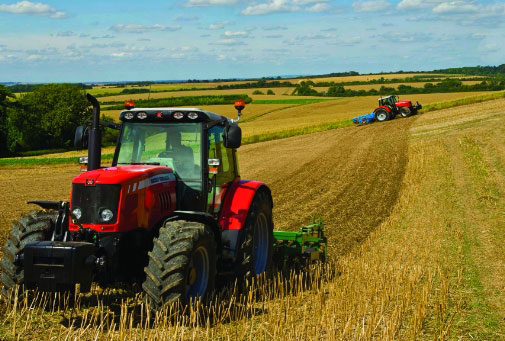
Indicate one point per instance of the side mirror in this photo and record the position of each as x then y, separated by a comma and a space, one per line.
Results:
232, 136
81, 137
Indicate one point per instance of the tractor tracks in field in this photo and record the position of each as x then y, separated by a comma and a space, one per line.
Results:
351, 177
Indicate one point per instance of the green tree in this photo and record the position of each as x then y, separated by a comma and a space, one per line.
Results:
304, 88
47, 117
5, 103
270, 92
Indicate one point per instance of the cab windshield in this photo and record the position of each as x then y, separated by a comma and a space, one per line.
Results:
174, 145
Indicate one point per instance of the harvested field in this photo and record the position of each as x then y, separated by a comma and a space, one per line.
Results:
311, 171
278, 92
414, 211
341, 109
394, 85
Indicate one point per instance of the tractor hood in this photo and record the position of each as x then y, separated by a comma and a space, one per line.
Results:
403, 103
122, 175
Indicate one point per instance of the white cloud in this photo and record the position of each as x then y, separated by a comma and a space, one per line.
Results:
120, 54
490, 47
456, 7
228, 42
136, 28
319, 7
105, 36
33, 8
219, 25
65, 34
418, 4
235, 34
275, 28
35, 57
192, 3
221, 57
371, 6
271, 7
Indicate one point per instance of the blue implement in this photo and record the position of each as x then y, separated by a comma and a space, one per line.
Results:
364, 119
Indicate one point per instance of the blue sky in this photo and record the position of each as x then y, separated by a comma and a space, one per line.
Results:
77, 41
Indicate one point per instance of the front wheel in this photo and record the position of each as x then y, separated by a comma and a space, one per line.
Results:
255, 252
405, 112
34, 227
182, 264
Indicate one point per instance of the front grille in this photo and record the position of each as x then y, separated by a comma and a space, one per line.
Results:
93, 199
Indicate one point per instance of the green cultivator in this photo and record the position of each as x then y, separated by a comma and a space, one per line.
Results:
309, 243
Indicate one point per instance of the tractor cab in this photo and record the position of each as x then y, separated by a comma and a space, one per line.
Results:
388, 101
198, 146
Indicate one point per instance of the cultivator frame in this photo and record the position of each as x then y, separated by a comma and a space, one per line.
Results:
309, 243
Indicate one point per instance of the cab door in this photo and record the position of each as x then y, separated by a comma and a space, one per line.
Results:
222, 170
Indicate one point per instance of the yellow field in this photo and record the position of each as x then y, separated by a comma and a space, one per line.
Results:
331, 111
277, 91
414, 212
395, 85
178, 86
261, 119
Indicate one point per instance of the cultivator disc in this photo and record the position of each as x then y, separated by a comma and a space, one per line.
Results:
309, 243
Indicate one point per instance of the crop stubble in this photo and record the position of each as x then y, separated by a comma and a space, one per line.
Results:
334, 175
401, 282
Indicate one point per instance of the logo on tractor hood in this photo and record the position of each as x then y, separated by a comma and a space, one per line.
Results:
158, 179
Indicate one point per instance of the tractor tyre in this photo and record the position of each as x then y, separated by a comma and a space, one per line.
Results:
182, 264
405, 112
34, 227
255, 252
381, 115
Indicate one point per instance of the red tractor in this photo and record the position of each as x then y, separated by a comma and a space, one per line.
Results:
390, 106
170, 214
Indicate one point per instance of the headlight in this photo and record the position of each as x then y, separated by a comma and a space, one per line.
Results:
193, 115
77, 213
178, 115
106, 214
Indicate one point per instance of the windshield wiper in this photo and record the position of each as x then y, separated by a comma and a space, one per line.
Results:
139, 163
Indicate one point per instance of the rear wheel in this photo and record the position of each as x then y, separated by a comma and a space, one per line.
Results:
405, 112
34, 227
182, 264
255, 252
381, 115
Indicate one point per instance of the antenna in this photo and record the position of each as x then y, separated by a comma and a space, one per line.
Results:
149, 96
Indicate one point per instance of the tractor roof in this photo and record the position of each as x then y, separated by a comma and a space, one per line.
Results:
169, 115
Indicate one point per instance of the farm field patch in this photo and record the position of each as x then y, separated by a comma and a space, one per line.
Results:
341, 109
393, 85
277, 91
413, 216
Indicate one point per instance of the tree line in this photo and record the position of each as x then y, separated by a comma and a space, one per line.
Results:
306, 88
30, 87
45, 118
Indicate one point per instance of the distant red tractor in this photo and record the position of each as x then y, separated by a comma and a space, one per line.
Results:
391, 106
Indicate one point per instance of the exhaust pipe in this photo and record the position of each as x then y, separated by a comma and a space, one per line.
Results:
95, 136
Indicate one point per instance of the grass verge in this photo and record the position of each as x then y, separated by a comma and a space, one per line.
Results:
296, 132
45, 161
291, 101
463, 101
